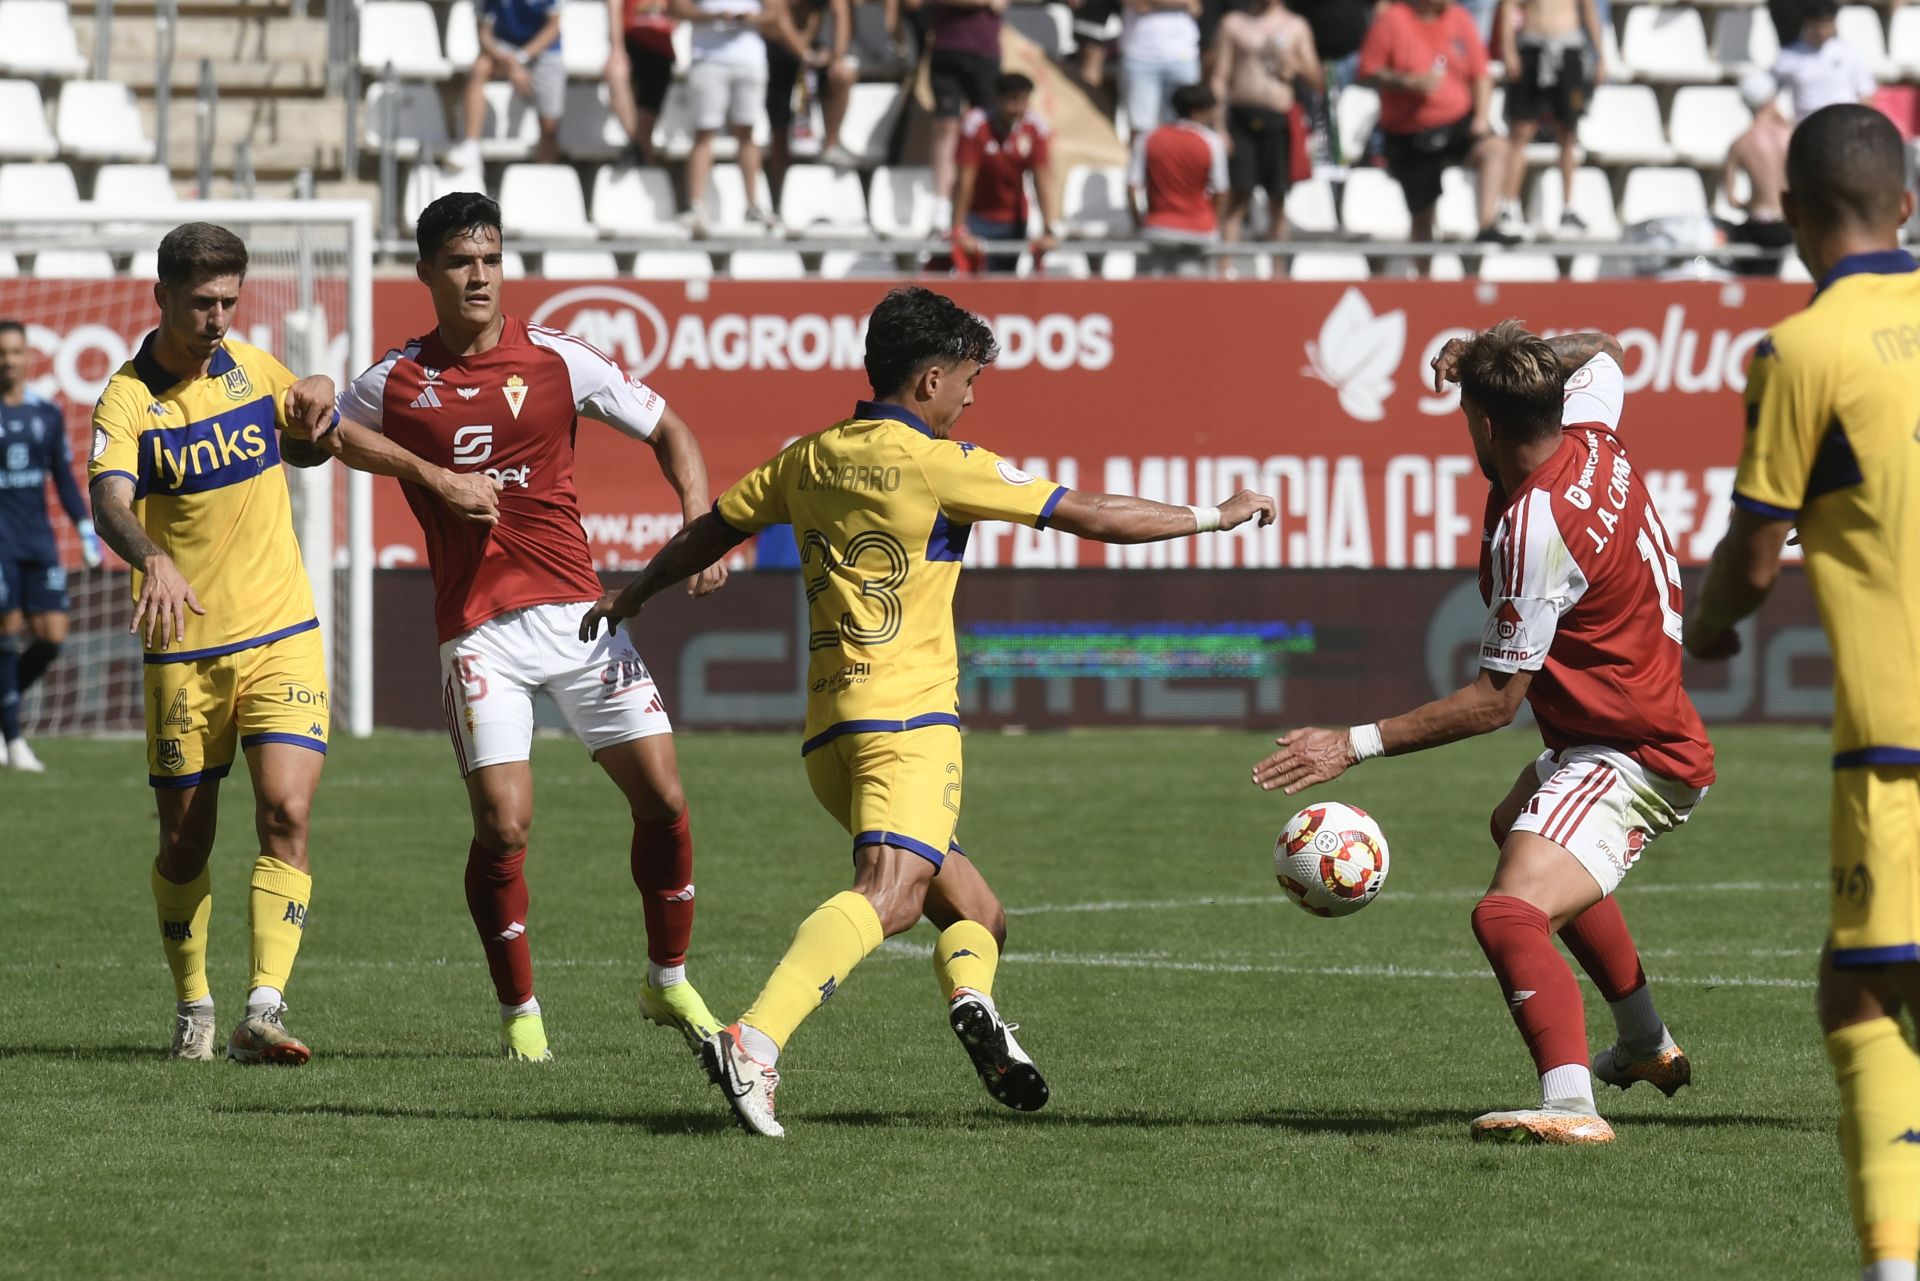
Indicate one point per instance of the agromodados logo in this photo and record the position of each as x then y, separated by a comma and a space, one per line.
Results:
1357, 354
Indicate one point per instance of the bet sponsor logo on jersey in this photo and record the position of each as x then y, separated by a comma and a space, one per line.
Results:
473, 445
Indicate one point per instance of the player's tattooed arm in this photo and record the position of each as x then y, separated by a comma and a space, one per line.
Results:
699, 544
160, 612
686, 470
1575, 350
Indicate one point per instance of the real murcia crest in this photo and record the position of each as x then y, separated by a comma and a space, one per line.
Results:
516, 392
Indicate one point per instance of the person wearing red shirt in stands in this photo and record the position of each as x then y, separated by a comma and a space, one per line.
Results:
1179, 182
639, 70
1430, 66
997, 151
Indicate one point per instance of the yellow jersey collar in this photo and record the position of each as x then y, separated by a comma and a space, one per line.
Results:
1881, 262
892, 412
147, 367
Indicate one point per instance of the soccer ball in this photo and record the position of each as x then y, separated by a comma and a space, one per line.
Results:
1331, 860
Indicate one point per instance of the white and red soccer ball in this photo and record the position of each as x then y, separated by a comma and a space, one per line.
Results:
1331, 860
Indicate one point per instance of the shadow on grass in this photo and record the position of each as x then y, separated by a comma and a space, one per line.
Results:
1296, 1120
652, 1122
86, 1053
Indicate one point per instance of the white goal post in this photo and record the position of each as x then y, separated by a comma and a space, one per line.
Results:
79, 277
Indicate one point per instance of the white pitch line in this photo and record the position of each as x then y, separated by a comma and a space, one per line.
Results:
1407, 896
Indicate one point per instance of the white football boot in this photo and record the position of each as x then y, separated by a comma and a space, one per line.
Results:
21, 757
1005, 1069
263, 1038
192, 1033
1666, 1068
1561, 1121
748, 1083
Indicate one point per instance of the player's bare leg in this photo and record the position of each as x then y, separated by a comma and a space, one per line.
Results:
1879, 1078
647, 772
183, 898
1537, 888
501, 798
973, 930
285, 778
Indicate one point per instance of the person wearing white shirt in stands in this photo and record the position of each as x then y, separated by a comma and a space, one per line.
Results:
1820, 69
727, 86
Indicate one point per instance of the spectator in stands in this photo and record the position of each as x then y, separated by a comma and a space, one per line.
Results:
965, 59
519, 40
1760, 154
1551, 49
1159, 52
639, 70
727, 87
1260, 54
1339, 27
800, 58
996, 152
1820, 69
1426, 59
1179, 183
1096, 26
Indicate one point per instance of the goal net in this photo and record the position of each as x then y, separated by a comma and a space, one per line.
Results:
83, 289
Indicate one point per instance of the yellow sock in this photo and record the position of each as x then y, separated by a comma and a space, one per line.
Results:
824, 951
276, 916
965, 955
184, 911
1879, 1077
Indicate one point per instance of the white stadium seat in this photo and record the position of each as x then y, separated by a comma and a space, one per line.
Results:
1094, 201
868, 126
1903, 40
578, 264
1356, 111
1518, 265
1374, 206
418, 119
672, 264
36, 188
1061, 264
1310, 210
1667, 43
1622, 127
1446, 267
1586, 267
1329, 266
818, 200
1118, 266
403, 33
37, 39
26, 136
900, 202
1662, 193
1744, 39
1618, 72
588, 128
842, 264
765, 264
73, 264
9, 266
543, 202
426, 183
133, 186
1794, 271
1859, 26
1457, 216
513, 266
635, 202
463, 35
1592, 201
510, 129
1704, 121
99, 120
724, 207
583, 37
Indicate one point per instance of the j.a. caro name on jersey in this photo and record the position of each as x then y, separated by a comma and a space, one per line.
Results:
1619, 487
210, 454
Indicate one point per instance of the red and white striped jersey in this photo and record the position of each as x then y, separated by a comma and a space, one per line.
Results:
1583, 590
510, 412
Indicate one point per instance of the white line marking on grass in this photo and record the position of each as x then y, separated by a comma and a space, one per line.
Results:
1407, 896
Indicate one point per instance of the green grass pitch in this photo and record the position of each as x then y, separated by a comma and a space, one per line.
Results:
1239, 1089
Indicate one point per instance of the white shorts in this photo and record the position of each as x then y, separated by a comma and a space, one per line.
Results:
1602, 807
490, 674
548, 71
726, 93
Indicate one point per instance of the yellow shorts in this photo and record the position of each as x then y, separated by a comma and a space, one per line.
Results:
199, 712
1876, 866
899, 789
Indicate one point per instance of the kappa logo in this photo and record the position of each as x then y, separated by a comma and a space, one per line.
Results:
473, 445
427, 399
1357, 354
467, 393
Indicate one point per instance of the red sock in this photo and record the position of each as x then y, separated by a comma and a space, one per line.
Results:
1540, 988
663, 869
497, 898
1599, 940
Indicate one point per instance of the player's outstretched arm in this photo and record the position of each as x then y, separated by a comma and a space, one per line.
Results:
1311, 756
165, 596
1745, 566
699, 544
474, 496
686, 470
1116, 518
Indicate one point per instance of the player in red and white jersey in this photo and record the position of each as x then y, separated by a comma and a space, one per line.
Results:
1583, 593
485, 393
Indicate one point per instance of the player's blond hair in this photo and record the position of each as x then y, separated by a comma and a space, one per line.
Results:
1514, 378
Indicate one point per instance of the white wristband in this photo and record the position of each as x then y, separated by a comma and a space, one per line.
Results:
1207, 518
1365, 741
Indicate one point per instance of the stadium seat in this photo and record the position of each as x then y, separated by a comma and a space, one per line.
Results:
1859, 26
1310, 210
900, 202
36, 188
1329, 266
589, 130
1457, 216
426, 183
1622, 127
37, 39
1667, 44
1059, 264
724, 208
1794, 271
543, 202
578, 264
510, 129
1519, 265
513, 266
402, 33
1094, 201
73, 264
1446, 267
1586, 267
419, 119
1618, 72
133, 186
1744, 39
1037, 25
765, 264
583, 38
1662, 193
1704, 121
867, 130
99, 120
672, 264
1374, 206
636, 202
463, 35
1903, 41
1356, 111
817, 200
26, 136
9, 266
841, 264
1592, 200
1118, 266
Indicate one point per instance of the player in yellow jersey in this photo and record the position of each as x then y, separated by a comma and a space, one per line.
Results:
188, 489
1832, 400
882, 504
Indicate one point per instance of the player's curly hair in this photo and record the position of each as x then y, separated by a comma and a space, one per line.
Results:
457, 213
913, 328
1514, 378
200, 251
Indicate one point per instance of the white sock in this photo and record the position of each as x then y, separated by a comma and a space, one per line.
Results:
530, 1006
1890, 1270
263, 1000
1569, 1083
659, 976
202, 1006
758, 1045
1637, 1022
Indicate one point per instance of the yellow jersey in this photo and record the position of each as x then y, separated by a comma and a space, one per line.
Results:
204, 458
1832, 402
881, 510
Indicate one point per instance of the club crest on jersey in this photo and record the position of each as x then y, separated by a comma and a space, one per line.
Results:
516, 393
237, 384
169, 754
